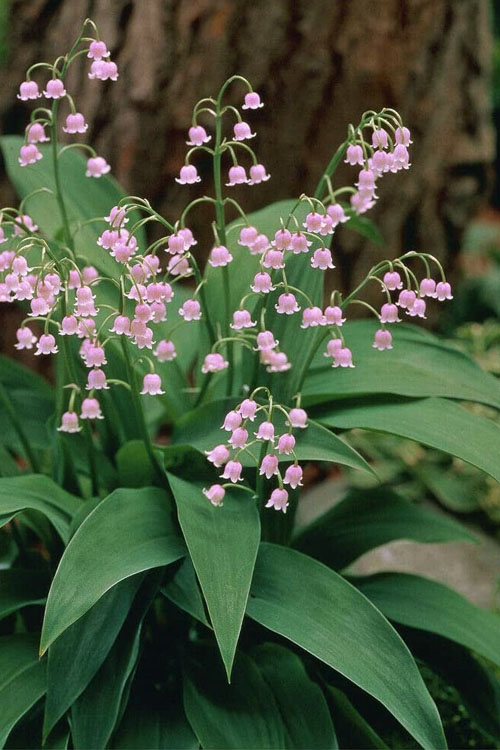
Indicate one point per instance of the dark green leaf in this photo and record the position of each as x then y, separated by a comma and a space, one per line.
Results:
352, 729
183, 590
129, 532
365, 227
134, 465
222, 544
314, 607
20, 588
369, 518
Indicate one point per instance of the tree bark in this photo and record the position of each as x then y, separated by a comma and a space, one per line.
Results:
318, 64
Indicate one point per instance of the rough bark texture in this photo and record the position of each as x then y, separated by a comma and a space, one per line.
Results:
317, 64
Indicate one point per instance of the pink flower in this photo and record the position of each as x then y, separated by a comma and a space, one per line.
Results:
103, 70
389, 313
179, 266
401, 157
354, 155
97, 50
197, 136
252, 101
278, 500
218, 455
242, 319
337, 214
237, 176
287, 304
361, 203
215, 494
39, 306
46, 345
300, 243
418, 308
25, 338
54, 89
333, 316
407, 299
189, 240
232, 420
380, 139
158, 312
265, 341
293, 476
427, 288
343, 357
265, 431
258, 174
142, 312
242, 131
97, 166
75, 123
151, 385
238, 438
262, 282
29, 154
278, 362
97, 380
247, 409
35, 133
260, 245
297, 418
322, 258
382, 340
274, 259
190, 310
89, 274
116, 216
326, 226
188, 175
443, 291
392, 281
28, 90
248, 235
220, 256
91, 409
144, 340
25, 220
69, 326
283, 239
20, 265
121, 325
286, 444
69, 422
403, 136
176, 244
214, 362
95, 356
165, 351
313, 222
380, 162
269, 466
312, 316
232, 471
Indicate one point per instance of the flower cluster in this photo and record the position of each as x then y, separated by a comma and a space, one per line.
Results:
274, 448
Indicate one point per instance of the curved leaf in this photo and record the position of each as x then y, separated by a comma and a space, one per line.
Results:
369, 518
353, 730
222, 544
429, 605
129, 532
183, 590
435, 422
314, 607
20, 588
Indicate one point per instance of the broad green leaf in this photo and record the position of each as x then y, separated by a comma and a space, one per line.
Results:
183, 590
22, 680
352, 729
95, 713
314, 607
222, 544
435, 422
134, 465
129, 532
201, 428
242, 715
428, 605
369, 518
301, 702
20, 588
418, 365
365, 227
38, 492
77, 655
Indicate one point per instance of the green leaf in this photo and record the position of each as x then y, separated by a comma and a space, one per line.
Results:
222, 544
314, 607
365, 227
183, 590
435, 422
242, 715
22, 680
129, 532
419, 365
428, 605
365, 519
37, 492
95, 712
79, 652
134, 465
301, 702
201, 428
352, 729
21, 588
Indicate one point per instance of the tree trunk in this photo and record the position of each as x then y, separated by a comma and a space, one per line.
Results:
318, 64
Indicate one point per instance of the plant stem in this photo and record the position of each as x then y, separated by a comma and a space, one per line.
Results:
23, 439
